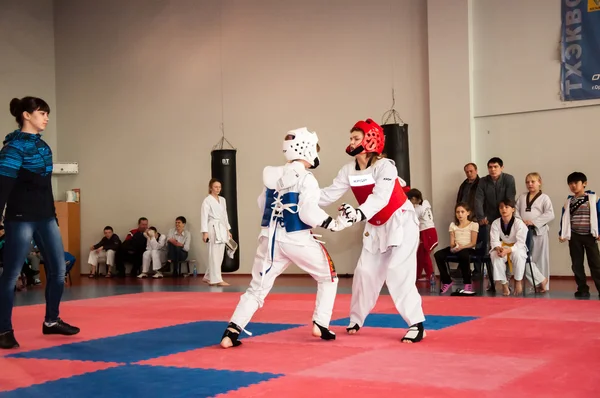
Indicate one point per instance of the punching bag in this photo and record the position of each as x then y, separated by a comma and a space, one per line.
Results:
396, 148
223, 168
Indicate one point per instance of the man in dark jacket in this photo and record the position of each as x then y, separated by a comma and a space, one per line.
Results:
107, 247
132, 250
468, 189
493, 188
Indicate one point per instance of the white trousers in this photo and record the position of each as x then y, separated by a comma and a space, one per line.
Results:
520, 267
154, 257
311, 258
107, 255
397, 268
216, 252
540, 255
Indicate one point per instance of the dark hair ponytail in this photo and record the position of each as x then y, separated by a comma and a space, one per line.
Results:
27, 104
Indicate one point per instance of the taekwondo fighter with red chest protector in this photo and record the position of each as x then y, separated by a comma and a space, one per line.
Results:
391, 234
290, 205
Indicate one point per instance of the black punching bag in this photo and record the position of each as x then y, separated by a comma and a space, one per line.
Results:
223, 168
396, 148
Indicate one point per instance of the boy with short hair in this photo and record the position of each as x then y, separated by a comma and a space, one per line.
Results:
579, 225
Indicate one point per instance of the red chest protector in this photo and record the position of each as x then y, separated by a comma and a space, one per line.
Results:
362, 186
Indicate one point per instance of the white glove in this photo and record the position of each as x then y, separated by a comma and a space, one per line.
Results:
350, 213
336, 225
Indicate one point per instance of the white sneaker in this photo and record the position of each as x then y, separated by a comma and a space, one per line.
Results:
157, 275
142, 275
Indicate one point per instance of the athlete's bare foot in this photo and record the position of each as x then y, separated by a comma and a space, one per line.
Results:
226, 341
316, 331
322, 332
543, 287
223, 284
415, 334
410, 342
518, 288
353, 329
505, 289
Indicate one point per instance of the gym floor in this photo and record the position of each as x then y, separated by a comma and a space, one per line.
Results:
157, 338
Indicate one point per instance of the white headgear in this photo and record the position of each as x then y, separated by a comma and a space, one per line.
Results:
303, 146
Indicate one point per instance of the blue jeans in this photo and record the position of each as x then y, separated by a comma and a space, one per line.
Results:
18, 239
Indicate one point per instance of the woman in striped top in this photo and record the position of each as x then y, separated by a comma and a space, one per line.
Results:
26, 190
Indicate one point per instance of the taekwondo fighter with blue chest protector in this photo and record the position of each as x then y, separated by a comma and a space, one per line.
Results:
289, 201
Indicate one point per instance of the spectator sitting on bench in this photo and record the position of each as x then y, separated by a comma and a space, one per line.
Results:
155, 253
69, 263
463, 239
508, 240
132, 250
179, 240
106, 248
33, 262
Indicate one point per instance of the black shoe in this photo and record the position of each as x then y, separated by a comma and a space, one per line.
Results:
8, 341
60, 327
582, 294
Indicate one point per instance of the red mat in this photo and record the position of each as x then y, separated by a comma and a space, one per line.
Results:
514, 347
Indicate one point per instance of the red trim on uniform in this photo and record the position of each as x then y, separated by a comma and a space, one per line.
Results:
397, 199
332, 271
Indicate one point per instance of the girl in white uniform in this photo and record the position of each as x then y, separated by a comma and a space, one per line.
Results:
215, 229
508, 240
289, 201
535, 209
155, 254
391, 235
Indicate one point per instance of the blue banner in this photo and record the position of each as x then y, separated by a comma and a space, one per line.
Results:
580, 50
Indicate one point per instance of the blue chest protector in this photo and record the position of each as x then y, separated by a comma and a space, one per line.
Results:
290, 220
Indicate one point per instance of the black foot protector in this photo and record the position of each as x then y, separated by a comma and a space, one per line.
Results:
415, 334
326, 334
355, 327
232, 335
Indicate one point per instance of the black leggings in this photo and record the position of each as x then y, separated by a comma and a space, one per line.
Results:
463, 264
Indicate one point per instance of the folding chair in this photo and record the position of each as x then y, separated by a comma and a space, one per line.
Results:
529, 244
479, 258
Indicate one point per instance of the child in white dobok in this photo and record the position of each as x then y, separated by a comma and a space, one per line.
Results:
289, 202
155, 254
391, 234
535, 209
508, 240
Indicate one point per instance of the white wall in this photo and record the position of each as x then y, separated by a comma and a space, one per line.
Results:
140, 91
518, 113
450, 104
27, 62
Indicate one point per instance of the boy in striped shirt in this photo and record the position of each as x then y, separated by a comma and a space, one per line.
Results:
579, 225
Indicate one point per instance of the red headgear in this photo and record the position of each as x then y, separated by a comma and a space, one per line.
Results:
373, 141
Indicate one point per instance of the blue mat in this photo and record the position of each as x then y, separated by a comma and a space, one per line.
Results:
144, 381
394, 321
139, 346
